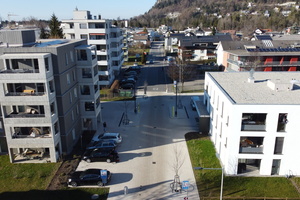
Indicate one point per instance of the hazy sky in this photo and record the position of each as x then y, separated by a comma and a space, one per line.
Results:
63, 9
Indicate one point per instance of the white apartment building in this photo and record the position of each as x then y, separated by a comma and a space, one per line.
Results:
48, 95
254, 123
107, 38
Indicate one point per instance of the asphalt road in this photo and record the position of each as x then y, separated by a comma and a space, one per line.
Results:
153, 150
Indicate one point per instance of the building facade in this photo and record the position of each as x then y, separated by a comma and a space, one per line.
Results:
254, 121
262, 55
48, 95
107, 38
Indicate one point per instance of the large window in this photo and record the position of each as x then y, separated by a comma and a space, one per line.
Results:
81, 54
282, 121
278, 145
254, 122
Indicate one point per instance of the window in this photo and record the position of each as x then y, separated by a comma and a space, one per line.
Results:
85, 90
66, 59
84, 36
81, 54
72, 115
52, 108
71, 97
75, 92
222, 109
275, 167
77, 109
74, 75
74, 134
68, 79
56, 129
278, 145
89, 106
82, 26
282, 121
87, 123
72, 56
47, 64
86, 73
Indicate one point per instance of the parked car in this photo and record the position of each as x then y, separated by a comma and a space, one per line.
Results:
104, 155
134, 68
127, 86
116, 137
101, 144
132, 76
128, 80
87, 177
130, 73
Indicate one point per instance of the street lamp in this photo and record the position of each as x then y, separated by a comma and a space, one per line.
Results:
221, 192
175, 83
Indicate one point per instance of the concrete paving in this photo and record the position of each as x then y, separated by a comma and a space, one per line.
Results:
153, 147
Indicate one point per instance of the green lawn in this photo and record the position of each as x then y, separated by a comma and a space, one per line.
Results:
29, 181
202, 154
24, 177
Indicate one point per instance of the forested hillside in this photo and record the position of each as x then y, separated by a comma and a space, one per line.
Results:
223, 14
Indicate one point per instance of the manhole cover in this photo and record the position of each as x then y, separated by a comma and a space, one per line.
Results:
153, 162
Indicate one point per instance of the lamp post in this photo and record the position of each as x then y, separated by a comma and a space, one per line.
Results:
175, 83
221, 192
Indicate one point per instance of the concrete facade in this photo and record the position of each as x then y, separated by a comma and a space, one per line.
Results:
43, 109
107, 38
254, 121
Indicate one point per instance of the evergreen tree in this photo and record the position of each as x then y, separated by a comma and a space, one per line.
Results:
44, 34
55, 29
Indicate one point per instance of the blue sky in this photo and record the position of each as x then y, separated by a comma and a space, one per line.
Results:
63, 9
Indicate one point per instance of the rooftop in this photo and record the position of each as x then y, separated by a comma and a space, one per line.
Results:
268, 88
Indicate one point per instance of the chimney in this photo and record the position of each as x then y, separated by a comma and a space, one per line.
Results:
251, 78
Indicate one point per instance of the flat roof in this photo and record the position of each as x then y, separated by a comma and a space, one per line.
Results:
268, 87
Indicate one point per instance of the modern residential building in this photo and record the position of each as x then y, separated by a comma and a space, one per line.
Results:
107, 38
254, 123
194, 48
264, 54
48, 95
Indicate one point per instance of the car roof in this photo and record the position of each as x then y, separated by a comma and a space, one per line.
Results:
110, 134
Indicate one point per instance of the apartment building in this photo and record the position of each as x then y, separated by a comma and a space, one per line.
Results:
196, 48
48, 95
254, 123
107, 38
263, 54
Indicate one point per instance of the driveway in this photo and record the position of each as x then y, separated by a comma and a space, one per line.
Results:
153, 147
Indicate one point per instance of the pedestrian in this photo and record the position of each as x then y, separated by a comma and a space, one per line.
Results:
104, 126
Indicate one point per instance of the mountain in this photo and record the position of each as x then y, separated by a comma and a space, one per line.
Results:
223, 14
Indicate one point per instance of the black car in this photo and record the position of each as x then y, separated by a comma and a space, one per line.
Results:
134, 68
88, 177
127, 86
107, 154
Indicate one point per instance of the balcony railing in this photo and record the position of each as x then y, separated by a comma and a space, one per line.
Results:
25, 94
252, 150
24, 115
18, 71
253, 126
268, 64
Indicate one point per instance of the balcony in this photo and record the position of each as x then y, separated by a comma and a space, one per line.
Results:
265, 64
251, 145
253, 122
31, 132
